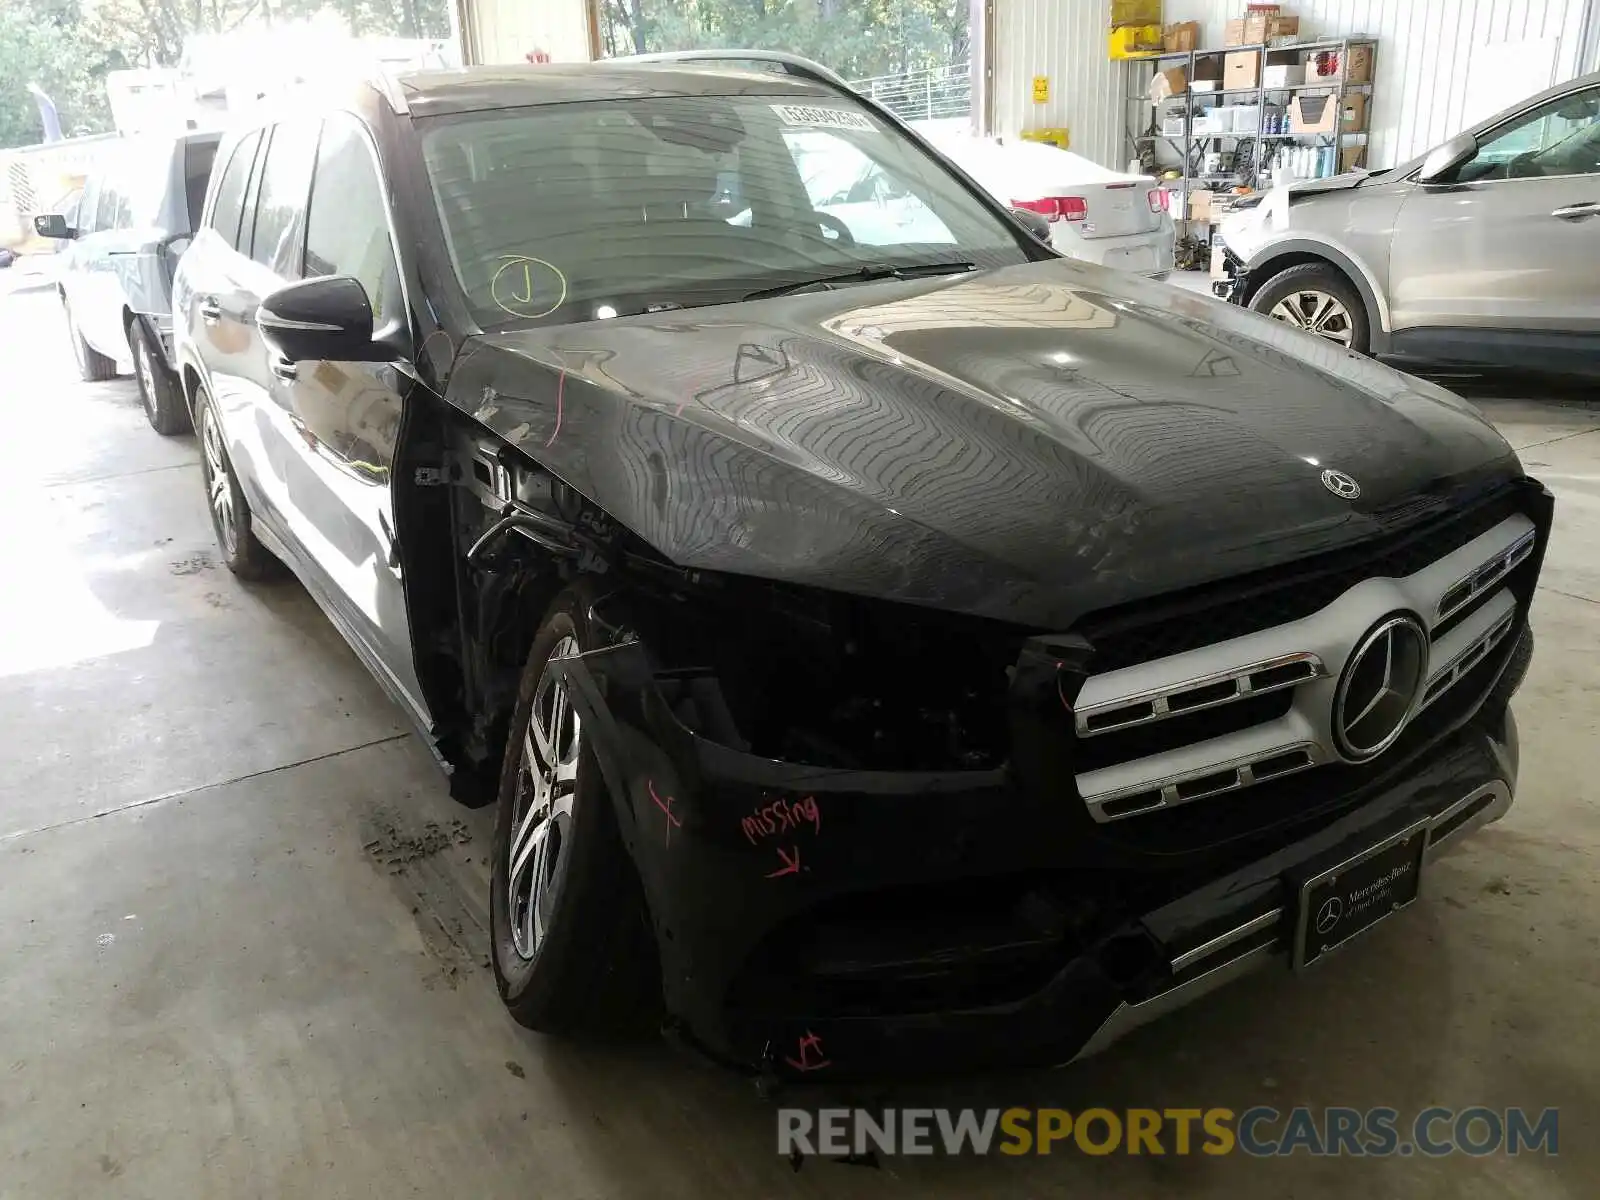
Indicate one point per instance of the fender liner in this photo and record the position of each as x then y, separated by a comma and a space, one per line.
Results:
1270, 260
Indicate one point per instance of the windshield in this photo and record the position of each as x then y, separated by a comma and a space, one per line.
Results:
574, 212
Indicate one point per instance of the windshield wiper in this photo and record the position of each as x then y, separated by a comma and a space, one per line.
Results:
865, 274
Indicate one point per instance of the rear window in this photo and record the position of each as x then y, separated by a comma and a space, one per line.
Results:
198, 158
575, 211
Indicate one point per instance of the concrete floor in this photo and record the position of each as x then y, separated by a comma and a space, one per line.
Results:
242, 926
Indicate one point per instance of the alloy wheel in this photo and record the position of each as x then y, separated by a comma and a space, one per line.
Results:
214, 469
541, 818
1319, 313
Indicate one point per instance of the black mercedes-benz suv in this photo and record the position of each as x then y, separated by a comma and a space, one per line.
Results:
891, 646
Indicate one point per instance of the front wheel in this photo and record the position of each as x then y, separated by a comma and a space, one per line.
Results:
573, 952
1319, 300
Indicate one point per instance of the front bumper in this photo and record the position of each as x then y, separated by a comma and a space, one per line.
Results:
825, 923
1234, 285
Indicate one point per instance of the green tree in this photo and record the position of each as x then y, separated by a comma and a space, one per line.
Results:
857, 38
44, 42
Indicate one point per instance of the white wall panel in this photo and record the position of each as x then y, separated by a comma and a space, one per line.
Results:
1066, 41
504, 31
1424, 64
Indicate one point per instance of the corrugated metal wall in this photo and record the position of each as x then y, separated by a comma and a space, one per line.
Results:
1420, 98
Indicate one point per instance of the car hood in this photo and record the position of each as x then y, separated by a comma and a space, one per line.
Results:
1027, 444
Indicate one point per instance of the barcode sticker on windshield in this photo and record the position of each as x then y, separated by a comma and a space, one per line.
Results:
812, 117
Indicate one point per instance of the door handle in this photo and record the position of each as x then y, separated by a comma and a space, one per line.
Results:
210, 310
284, 369
1577, 212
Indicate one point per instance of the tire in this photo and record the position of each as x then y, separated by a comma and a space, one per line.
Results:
231, 518
159, 390
93, 367
1307, 290
589, 965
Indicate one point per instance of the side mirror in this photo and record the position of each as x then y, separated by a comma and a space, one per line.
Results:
1036, 223
1441, 165
328, 318
54, 225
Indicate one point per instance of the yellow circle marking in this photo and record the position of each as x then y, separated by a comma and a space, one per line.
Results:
524, 295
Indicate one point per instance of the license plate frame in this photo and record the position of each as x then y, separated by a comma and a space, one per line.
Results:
1342, 902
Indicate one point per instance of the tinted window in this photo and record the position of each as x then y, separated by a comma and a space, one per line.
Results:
87, 205
105, 213
347, 228
281, 204
197, 160
230, 190
563, 212
1561, 137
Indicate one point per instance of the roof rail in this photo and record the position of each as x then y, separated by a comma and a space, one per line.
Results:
792, 64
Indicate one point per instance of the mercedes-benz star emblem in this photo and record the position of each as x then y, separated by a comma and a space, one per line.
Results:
1379, 688
1341, 485
1328, 915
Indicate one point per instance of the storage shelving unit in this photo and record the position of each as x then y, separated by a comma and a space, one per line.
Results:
1254, 151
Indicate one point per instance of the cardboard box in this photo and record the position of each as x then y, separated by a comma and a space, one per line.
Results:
1313, 112
1135, 12
1166, 84
1242, 69
1355, 112
1317, 112
1259, 27
1283, 75
1197, 207
1181, 37
1358, 67
1134, 41
1351, 157
1264, 27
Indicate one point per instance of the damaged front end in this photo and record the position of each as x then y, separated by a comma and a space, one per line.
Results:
873, 862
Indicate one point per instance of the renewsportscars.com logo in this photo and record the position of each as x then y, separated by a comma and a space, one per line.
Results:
1260, 1132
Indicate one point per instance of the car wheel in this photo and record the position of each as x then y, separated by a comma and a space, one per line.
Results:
573, 951
1318, 299
159, 391
230, 513
93, 366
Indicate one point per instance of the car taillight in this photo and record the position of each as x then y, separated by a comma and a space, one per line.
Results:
1158, 199
1058, 208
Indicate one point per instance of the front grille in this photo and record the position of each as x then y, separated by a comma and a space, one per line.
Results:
1139, 757
1217, 612
1307, 795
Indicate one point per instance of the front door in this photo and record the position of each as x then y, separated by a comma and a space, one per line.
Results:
1509, 245
344, 417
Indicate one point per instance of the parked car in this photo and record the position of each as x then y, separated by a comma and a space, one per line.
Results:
1096, 214
132, 223
1479, 253
884, 657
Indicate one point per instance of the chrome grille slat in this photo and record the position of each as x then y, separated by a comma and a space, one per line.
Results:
1467, 589
1092, 719
1226, 672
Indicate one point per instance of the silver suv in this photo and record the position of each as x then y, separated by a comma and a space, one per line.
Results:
1482, 252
